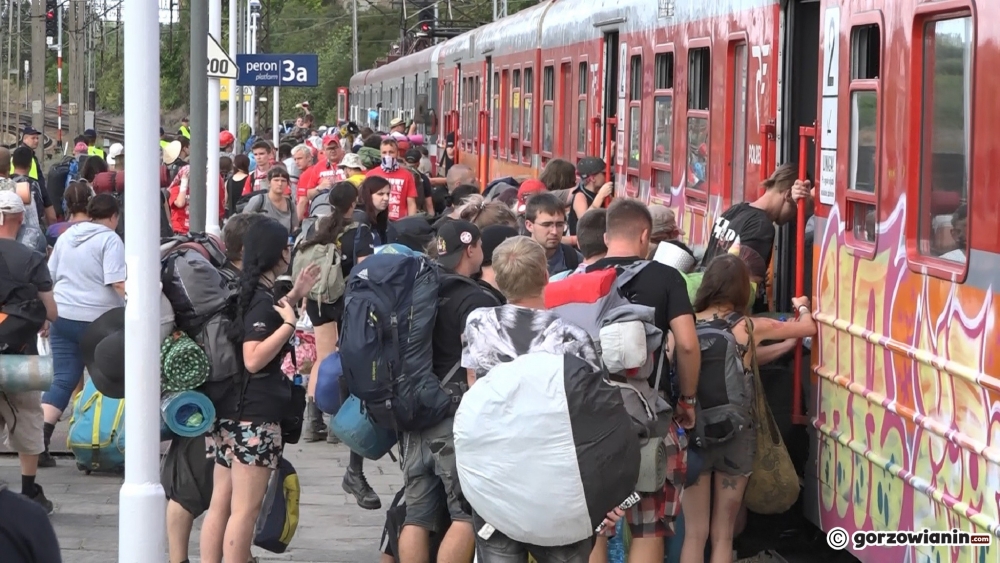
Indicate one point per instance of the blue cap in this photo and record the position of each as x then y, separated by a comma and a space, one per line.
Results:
90, 133
29, 130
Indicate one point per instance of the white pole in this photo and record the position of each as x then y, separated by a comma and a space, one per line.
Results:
275, 116
252, 15
233, 88
142, 505
212, 181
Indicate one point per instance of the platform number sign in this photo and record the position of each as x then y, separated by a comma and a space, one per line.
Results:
831, 51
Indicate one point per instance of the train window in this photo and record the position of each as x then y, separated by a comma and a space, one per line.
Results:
581, 109
548, 111
515, 113
866, 52
476, 108
699, 78
663, 126
739, 123
864, 137
526, 128
634, 110
495, 133
945, 138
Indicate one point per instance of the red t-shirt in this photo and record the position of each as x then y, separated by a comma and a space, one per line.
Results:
403, 188
257, 180
314, 176
180, 217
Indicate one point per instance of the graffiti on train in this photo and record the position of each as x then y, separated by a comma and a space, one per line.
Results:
908, 422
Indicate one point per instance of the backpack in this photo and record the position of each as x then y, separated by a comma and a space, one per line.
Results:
725, 387
57, 182
319, 207
22, 313
330, 285
279, 514
97, 431
190, 273
385, 341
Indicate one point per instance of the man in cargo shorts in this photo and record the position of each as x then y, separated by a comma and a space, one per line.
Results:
24, 279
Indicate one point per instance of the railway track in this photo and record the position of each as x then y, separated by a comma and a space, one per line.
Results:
111, 129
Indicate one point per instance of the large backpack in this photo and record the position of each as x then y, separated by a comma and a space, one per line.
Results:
279, 514
385, 341
319, 207
56, 183
330, 285
725, 387
97, 431
22, 313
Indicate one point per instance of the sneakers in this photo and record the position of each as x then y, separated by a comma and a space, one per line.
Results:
332, 438
356, 484
39, 497
45, 459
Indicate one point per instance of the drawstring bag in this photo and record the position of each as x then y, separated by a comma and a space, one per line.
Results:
774, 485
183, 363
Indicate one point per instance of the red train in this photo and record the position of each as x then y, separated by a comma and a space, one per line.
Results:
692, 103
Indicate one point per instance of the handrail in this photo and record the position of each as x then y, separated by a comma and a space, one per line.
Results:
798, 416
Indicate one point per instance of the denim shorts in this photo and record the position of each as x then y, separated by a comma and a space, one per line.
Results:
67, 361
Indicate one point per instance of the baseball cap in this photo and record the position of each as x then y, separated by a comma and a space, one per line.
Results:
80, 147
29, 130
330, 140
225, 139
114, 151
453, 237
590, 165
90, 133
396, 122
10, 204
664, 220
528, 187
493, 236
413, 156
450, 139
351, 160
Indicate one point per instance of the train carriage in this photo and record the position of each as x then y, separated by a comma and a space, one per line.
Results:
693, 102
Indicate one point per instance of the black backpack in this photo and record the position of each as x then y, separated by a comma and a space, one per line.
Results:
22, 313
244, 200
56, 184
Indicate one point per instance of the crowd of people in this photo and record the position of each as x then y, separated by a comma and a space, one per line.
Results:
501, 245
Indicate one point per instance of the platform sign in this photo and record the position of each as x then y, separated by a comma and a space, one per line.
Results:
831, 51
220, 65
301, 70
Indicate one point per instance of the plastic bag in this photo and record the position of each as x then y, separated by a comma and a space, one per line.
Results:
44, 349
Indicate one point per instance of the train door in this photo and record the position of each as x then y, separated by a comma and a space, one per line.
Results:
799, 110
483, 118
611, 84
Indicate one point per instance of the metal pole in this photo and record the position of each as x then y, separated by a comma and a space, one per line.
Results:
142, 505
59, 100
37, 87
253, 14
234, 90
354, 37
275, 115
212, 130
199, 114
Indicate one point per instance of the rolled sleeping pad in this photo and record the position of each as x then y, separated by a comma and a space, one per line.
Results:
187, 414
19, 374
328, 384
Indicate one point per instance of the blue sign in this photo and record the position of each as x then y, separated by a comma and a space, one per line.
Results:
278, 70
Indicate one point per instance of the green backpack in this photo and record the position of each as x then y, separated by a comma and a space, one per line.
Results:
330, 285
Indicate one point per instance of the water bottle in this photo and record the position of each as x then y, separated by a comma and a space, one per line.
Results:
616, 544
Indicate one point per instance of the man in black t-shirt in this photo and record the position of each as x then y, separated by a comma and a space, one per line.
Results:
430, 459
424, 190
661, 287
24, 282
751, 225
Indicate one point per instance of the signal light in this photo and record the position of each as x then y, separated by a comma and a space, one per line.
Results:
51, 24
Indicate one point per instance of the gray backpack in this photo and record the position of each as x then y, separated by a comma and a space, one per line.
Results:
725, 387
319, 207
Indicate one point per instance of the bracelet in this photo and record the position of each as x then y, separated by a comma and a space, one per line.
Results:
294, 327
807, 310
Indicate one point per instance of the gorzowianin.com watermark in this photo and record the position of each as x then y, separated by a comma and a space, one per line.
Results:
839, 538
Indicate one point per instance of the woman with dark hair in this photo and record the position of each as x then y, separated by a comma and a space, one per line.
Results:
93, 166
711, 506
247, 430
374, 197
559, 176
88, 270
75, 200
235, 184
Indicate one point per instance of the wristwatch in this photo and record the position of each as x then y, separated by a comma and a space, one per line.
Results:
692, 401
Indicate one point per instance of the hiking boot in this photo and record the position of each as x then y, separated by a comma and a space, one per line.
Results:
45, 459
39, 497
356, 484
332, 438
317, 428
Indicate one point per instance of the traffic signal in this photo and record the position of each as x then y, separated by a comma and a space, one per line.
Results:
425, 28
51, 21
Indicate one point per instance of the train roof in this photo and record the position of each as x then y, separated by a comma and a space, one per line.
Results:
417, 63
359, 79
517, 33
460, 48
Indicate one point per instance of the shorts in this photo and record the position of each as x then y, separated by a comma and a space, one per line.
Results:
324, 313
250, 443
429, 461
21, 419
654, 515
499, 548
734, 457
187, 473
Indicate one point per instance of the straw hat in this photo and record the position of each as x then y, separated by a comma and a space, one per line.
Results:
171, 152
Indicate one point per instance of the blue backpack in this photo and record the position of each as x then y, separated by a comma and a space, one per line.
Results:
385, 341
97, 431
279, 514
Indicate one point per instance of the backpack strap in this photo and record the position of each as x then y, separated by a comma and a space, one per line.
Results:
632, 270
663, 361
451, 373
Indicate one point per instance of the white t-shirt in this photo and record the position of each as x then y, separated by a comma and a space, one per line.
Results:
500, 334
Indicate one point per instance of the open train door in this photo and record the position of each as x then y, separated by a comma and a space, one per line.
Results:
343, 109
483, 129
609, 134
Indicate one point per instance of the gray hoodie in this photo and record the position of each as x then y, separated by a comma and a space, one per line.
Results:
86, 260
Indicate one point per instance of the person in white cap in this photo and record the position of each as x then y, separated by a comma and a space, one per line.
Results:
353, 169
23, 269
116, 150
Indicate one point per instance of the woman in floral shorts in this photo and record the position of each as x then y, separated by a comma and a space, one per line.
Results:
247, 431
